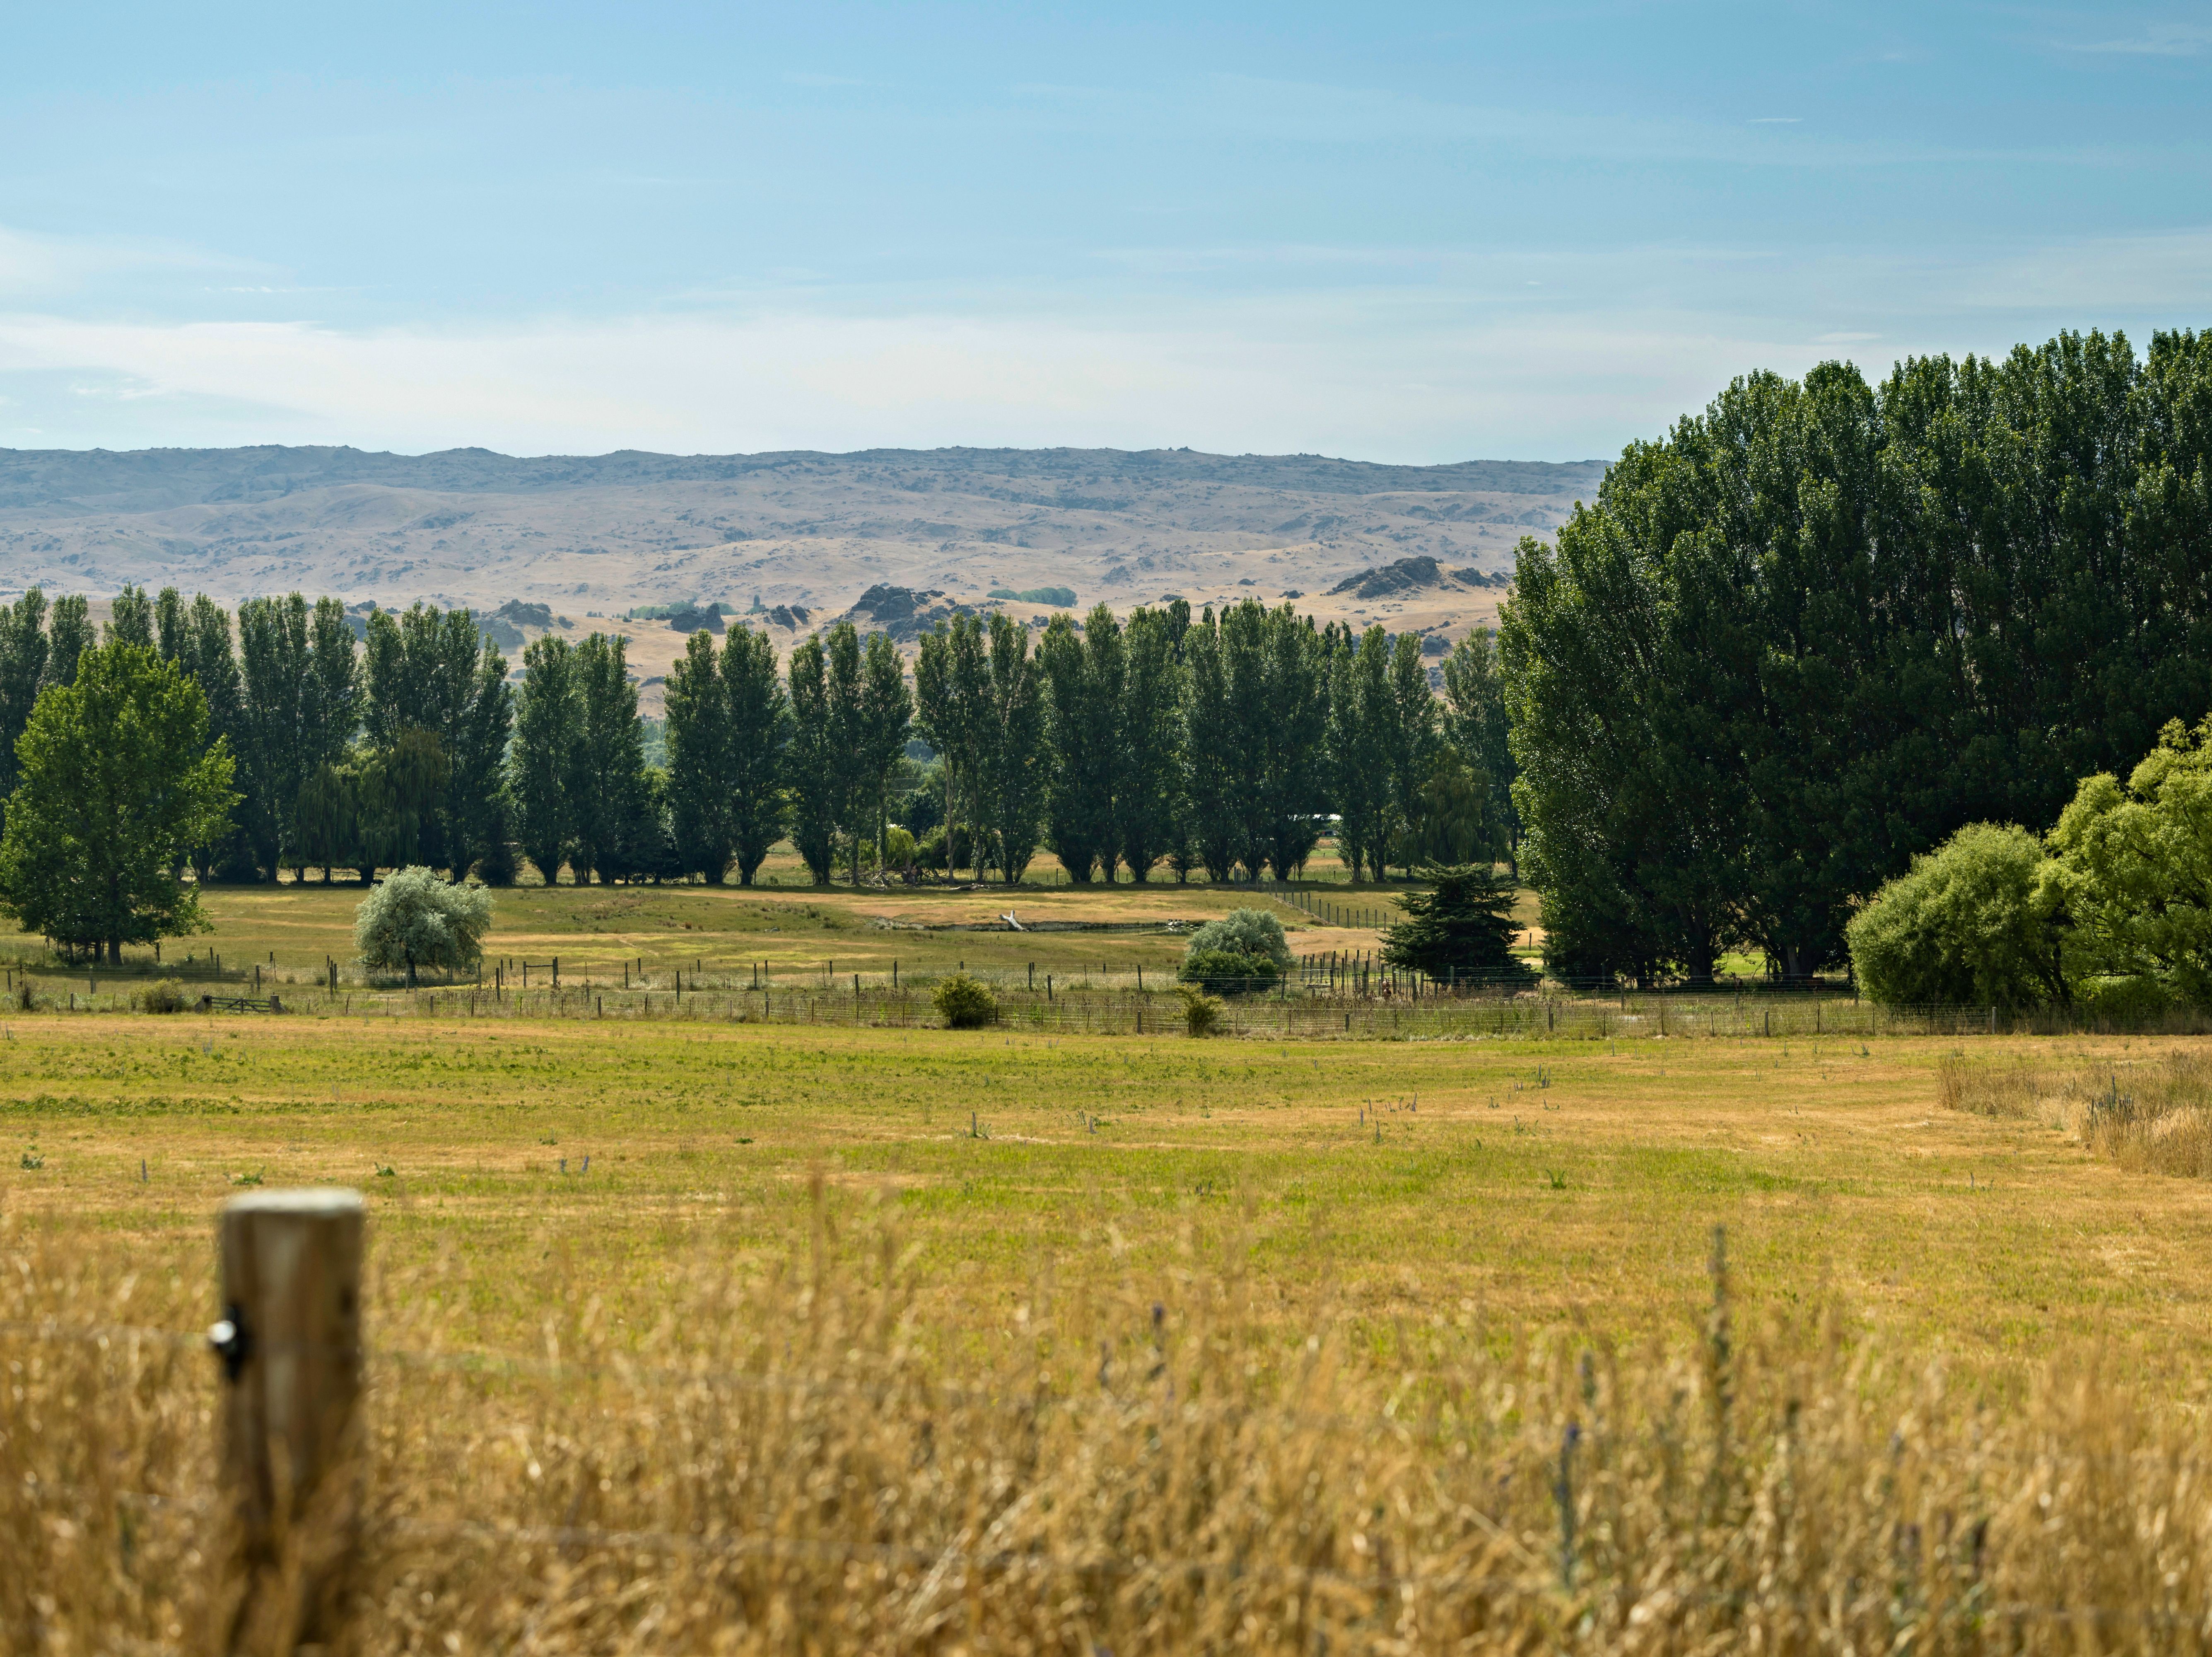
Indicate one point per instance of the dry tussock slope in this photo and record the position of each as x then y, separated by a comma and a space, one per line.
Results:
595, 537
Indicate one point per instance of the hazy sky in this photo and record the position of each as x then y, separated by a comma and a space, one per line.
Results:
1400, 232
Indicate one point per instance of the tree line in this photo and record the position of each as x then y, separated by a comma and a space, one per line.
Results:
1225, 744
1808, 634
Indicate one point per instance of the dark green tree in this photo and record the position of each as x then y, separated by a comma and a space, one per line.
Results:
699, 760
1460, 930
1150, 736
817, 769
1815, 630
1360, 713
432, 670
116, 784
854, 805
612, 823
953, 686
760, 735
198, 638
131, 618
1015, 768
549, 723
69, 635
1086, 677
1412, 743
1475, 725
886, 720
23, 646
272, 760
1213, 754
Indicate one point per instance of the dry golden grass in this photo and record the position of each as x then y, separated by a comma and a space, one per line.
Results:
801, 1364
2151, 1112
776, 1465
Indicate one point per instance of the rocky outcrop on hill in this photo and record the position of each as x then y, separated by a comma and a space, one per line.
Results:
903, 612
1411, 575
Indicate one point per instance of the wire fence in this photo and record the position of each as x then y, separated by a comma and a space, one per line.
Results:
1288, 1011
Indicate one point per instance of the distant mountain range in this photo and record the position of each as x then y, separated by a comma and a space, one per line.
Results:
594, 537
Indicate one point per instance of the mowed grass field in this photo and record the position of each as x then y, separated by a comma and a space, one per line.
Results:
1385, 1184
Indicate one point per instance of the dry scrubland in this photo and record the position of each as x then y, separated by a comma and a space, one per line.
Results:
883, 1340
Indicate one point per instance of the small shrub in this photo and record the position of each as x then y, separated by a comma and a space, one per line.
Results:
161, 996
417, 919
1227, 972
1244, 932
1201, 1013
965, 1004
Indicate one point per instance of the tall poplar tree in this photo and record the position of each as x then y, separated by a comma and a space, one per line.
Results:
130, 619
609, 806
886, 720
548, 727
23, 646
69, 635
816, 768
1151, 742
1359, 711
699, 760
848, 736
1085, 675
1475, 725
434, 671
1014, 764
760, 737
1412, 743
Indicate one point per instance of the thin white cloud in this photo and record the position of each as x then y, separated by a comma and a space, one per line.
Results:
34, 266
2156, 41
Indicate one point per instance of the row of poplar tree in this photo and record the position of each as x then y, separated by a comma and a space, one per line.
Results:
1224, 743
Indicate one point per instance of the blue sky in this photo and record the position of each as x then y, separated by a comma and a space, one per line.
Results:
1412, 232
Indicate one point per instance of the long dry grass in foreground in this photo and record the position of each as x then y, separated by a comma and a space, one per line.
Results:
2152, 1114
775, 1465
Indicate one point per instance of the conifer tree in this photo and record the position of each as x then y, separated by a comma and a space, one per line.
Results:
1460, 930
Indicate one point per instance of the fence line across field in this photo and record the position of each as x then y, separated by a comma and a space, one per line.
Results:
1292, 1012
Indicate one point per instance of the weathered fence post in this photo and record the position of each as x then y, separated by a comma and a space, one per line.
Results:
289, 1340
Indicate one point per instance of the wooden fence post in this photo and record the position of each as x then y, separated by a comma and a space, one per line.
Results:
289, 1340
